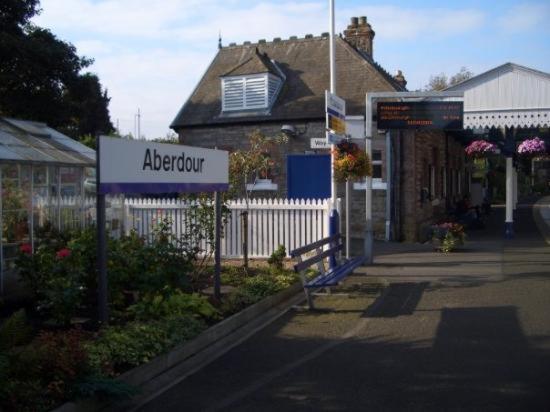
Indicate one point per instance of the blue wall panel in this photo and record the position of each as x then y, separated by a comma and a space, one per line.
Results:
308, 176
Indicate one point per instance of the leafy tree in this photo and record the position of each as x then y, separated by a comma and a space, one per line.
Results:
246, 165
40, 76
441, 81
89, 106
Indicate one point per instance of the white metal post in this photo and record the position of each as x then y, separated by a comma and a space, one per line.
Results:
368, 208
509, 222
332, 58
333, 218
515, 181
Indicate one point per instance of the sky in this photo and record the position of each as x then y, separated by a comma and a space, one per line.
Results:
150, 55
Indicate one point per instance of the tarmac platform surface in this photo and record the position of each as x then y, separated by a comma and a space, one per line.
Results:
417, 331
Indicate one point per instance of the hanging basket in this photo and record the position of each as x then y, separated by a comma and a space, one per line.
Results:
531, 148
351, 162
479, 149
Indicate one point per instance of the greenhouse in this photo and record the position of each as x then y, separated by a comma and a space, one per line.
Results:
40, 169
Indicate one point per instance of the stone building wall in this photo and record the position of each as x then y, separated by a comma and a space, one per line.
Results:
413, 153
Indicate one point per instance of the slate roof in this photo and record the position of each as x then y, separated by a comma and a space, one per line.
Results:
27, 141
305, 63
256, 63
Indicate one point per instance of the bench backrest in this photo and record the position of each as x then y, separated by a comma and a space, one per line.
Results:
335, 242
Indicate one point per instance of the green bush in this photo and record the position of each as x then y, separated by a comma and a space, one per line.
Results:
49, 371
171, 304
276, 259
121, 347
233, 275
15, 331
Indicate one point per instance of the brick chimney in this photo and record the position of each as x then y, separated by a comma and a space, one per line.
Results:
400, 78
360, 34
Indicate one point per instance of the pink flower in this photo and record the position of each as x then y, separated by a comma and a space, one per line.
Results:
480, 147
532, 146
26, 248
63, 253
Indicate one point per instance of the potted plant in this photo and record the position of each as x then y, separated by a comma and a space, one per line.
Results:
447, 236
480, 148
350, 162
531, 148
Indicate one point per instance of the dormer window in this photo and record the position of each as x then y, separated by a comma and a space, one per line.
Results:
252, 85
249, 92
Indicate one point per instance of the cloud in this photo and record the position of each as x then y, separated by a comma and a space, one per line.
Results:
399, 23
528, 16
151, 56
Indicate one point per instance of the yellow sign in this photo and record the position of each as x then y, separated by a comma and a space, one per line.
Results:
336, 124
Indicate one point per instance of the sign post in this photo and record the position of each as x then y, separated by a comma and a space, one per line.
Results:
335, 108
126, 166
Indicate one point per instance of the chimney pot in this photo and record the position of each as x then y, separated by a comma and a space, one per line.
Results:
360, 35
400, 78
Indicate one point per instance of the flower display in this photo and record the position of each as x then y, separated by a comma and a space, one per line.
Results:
449, 235
351, 162
26, 248
63, 253
480, 148
532, 147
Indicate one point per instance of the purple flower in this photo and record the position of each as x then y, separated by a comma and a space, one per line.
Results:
479, 148
532, 146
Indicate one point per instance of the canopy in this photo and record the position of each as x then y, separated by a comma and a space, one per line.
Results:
506, 96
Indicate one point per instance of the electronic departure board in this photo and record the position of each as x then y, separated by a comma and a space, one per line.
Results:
420, 115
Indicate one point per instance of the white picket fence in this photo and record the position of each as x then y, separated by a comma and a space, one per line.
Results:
272, 222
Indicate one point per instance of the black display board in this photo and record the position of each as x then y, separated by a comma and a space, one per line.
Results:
420, 115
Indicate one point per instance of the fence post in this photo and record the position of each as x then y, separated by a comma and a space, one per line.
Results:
217, 245
244, 232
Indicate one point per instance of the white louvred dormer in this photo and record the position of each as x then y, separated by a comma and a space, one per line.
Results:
250, 92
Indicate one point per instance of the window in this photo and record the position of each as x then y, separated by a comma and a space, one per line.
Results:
249, 92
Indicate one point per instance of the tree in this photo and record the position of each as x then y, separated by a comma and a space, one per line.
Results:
40, 76
89, 107
441, 81
247, 165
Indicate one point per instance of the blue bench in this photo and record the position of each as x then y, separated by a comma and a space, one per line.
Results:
330, 248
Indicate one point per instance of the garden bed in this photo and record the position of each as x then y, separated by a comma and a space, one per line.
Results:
157, 312
169, 368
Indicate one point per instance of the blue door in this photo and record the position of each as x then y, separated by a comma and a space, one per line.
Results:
308, 176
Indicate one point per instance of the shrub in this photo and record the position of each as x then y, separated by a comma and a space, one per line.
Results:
233, 275
120, 347
276, 259
51, 370
15, 331
171, 304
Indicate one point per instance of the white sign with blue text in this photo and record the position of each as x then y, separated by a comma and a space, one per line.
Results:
129, 166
